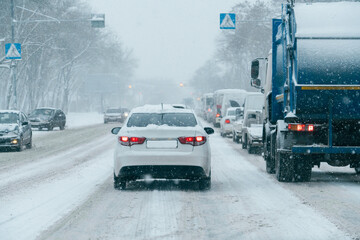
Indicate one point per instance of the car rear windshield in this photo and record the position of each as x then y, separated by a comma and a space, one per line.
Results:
170, 119
113, 111
38, 112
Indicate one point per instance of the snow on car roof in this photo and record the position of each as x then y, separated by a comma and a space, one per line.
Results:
330, 19
230, 91
159, 109
51, 108
9, 111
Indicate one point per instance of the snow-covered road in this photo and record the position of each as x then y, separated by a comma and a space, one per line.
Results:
66, 192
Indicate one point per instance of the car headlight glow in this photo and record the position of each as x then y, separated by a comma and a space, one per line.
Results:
14, 141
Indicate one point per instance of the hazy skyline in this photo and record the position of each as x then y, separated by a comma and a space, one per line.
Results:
169, 38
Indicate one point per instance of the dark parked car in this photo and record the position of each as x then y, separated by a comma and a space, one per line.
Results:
47, 118
15, 130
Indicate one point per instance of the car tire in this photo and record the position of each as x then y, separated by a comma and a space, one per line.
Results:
357, 170
29, 145
233, 137
40, 128
62, 127
20, 147
119, 183
205, 183
249, 148
244, 142
50, 127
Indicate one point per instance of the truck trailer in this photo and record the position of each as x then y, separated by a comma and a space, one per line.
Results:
311, 89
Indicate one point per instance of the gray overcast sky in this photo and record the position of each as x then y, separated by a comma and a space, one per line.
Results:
170, 38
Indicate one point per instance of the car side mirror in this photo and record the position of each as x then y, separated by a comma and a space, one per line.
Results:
115, 130
209, 130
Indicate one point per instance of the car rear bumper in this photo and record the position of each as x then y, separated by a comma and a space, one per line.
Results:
199, 158
227, 128
163, 171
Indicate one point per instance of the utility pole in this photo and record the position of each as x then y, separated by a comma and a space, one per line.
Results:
13, 62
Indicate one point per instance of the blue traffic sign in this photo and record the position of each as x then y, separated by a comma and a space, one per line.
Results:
13, 51
227, 20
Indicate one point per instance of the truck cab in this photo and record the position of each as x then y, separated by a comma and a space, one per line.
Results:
311, 89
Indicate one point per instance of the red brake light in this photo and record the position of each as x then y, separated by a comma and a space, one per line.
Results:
301, 127
195, 141
227, 121
209, 110
123, 139
128, 141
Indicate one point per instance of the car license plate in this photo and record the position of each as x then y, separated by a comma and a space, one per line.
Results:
162, 144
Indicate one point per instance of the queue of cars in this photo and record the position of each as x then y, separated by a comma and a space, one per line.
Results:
238, 114
16, 127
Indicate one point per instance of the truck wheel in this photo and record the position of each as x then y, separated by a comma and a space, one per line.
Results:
303, 169
244, 142
284, 166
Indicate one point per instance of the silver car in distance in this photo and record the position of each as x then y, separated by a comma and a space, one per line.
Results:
163, 142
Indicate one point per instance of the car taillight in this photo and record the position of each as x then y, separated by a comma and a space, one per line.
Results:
301, 127
209, 110
195, 141
218, 115
227, 121
129, 141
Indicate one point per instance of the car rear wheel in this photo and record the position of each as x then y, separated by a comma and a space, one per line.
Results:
119, 183
205, 183
50, 127
62, 126
244, 142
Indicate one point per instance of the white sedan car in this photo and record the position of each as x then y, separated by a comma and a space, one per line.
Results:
162, 142
226, 123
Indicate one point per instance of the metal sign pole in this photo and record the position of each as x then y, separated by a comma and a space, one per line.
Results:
13, 63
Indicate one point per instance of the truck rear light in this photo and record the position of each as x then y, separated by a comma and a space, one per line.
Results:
129, 141
310, 128
218, 115
194, 141
300, 127
227, 121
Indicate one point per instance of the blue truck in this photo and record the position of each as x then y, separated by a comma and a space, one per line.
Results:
312, 89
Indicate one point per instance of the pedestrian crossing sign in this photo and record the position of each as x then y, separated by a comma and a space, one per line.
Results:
13, 51
227, 20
